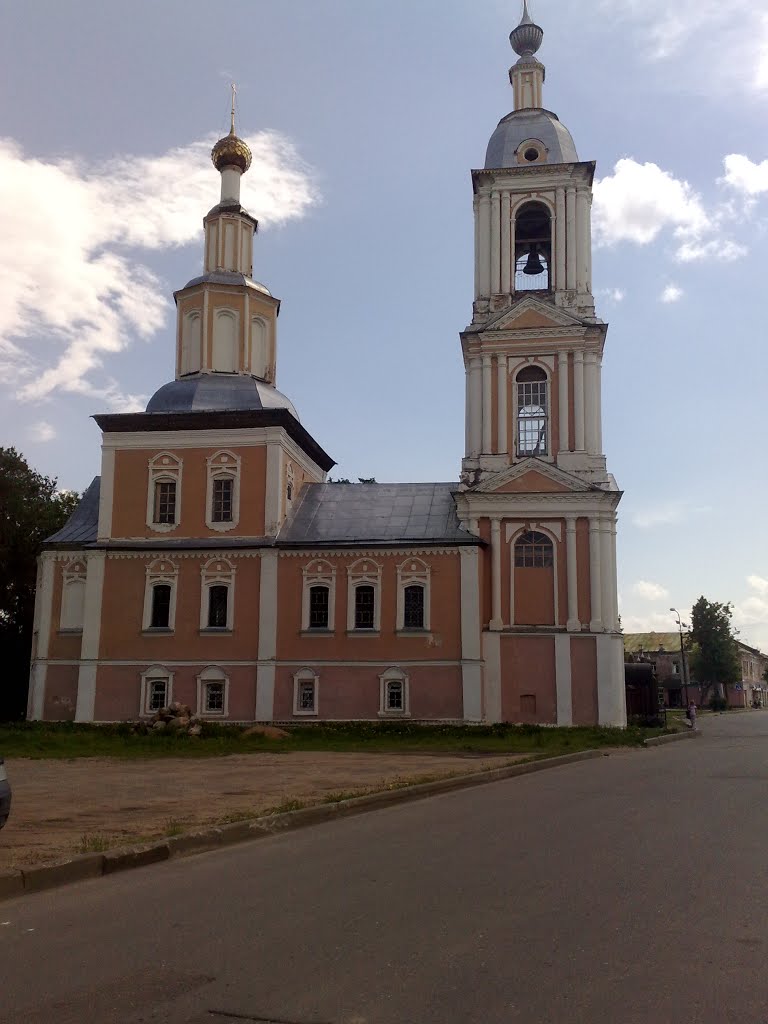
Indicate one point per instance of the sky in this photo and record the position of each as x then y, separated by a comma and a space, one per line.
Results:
365, 118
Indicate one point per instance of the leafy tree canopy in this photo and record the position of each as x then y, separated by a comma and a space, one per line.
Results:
31, 509
714, 654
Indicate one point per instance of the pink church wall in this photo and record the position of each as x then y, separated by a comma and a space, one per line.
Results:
584, 680
60, 693
528, 678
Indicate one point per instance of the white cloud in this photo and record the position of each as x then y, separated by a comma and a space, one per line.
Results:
650, 622
750, 615
707, 42
41, 431
613, 294
74, 289
649, 590
667, 512
672, 293
743, 174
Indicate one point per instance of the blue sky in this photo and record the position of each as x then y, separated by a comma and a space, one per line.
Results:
365, 118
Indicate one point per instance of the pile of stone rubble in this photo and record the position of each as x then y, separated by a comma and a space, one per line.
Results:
177, 717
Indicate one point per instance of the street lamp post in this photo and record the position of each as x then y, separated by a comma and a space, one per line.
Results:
683, 668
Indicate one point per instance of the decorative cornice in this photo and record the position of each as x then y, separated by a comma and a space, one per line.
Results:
372, 552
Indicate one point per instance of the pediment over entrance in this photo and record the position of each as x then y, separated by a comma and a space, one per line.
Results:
531, 477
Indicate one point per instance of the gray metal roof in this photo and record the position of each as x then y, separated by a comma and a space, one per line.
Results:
215, 392
83, 525
232, 277
330, 514
523, 125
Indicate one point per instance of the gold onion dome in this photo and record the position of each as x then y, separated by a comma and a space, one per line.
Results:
231, 152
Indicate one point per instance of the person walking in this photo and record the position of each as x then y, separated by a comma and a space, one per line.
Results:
690, 714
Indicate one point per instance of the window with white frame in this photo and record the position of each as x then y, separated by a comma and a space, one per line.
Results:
394, 696
532, 412
73, 596
534, 550
413, 595
160, 595
217, 593
319, 596
156, 689
223, 491
289, 485
364, 596
164, 492
213, 693
305, 692
191, 338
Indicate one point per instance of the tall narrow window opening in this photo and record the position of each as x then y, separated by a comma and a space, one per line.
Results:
217, 607
532, 420
533, 248
161, 606
223, 490
365, 607
413, 611
319, 602
165, 501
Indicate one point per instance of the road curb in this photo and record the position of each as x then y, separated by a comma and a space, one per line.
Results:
76, 869
659, 741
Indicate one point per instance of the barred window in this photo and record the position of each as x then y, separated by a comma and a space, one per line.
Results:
214, 698
532, 412
157, 694
413, 610
318, 607
165, 502
534, 551
217, 606
223, 491
307, 695
395, 695
365, 602
161, 606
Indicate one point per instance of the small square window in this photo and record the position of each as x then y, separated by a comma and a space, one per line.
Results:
395, 695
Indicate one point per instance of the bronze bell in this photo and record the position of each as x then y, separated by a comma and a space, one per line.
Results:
533, 266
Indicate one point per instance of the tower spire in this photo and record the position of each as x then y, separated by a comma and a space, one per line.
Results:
528, 74
231, 156
232, 122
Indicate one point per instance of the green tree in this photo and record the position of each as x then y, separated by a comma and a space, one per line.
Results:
714, 657
31, 509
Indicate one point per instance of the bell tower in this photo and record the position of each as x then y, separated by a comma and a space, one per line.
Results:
534, 481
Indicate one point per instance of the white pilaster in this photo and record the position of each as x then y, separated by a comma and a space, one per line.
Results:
495, 243
570, 220
578, 400
560, 235
471, 672
582, 235
590, 402
563, 685
485, 245
599, 400
106, 493
89, 648
487, 405
606, 567
267, 652
205, 362
589, 242
611, 694
476, 214
273, 497
614, 579
41, 637
574, 624
467, 410
501, 400
595, 576
497, 622
562, 396
506, 244
492, 676
476, 415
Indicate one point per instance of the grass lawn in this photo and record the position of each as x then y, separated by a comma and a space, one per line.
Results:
67, 740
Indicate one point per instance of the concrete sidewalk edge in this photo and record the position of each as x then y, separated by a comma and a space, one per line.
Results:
76, 869
659, 741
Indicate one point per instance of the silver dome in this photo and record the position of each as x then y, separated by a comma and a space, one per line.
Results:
218, 392
530, 123
232, 277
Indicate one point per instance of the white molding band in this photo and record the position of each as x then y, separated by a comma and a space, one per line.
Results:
471, 678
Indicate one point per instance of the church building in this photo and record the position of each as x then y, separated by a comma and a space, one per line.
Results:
212, 563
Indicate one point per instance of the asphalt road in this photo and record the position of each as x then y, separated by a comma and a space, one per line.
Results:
627, 889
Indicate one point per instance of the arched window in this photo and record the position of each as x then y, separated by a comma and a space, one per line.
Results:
225, 342
217, 595
365, 607
213, 692
217, 606
394, 696
160, 595
534, 550
259, 354
532, 420
191, 334
319, 606
413, 607
533, 248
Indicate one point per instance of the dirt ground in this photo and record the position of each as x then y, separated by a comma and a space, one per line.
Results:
62, 808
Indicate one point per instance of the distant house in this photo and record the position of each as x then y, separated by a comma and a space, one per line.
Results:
662, 650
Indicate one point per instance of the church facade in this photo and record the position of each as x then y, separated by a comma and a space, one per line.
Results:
212, 563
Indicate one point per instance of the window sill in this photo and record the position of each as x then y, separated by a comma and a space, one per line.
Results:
157, 631
71, 631
305, 714
415, 632
394, 714
317, 632
216, 630
163, 527
363, 632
